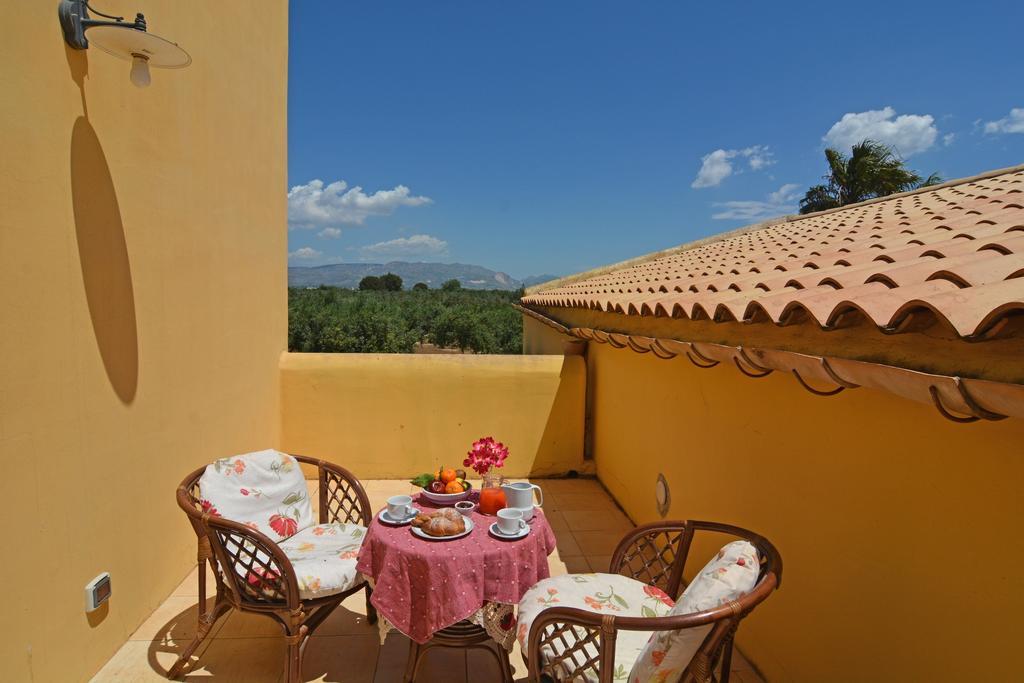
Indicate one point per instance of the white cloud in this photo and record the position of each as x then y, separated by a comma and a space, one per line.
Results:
329, 233
780, 202
305, 254
948, 139
758, 157
1011, 123
908, 133
315, 205
717, 166
406, 247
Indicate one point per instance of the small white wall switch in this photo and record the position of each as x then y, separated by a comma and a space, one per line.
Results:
97, 592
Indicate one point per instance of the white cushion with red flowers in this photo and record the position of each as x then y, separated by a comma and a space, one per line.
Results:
599, 593
264, 490
324, 558
730, 575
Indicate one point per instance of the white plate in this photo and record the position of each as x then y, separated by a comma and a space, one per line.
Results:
385, 518
497, 533
416, 531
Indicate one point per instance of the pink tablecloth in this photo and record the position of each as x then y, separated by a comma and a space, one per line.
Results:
423, 586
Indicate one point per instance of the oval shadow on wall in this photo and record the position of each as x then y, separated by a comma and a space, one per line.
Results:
103, 253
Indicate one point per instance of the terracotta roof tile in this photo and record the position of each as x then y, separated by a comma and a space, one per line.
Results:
955, 252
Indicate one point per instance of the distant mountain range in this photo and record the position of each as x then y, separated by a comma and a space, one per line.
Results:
433, 274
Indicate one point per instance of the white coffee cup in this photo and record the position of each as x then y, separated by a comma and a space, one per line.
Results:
510, 521
399, 507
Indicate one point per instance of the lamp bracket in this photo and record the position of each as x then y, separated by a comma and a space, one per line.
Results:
74, 20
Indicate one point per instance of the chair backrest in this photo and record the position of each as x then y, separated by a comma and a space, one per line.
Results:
265, 491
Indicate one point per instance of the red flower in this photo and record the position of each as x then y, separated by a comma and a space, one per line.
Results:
245, 492
657, 593
348, 554
741, 562
658, 656
239, 466
208, 508
283, 525
485, 454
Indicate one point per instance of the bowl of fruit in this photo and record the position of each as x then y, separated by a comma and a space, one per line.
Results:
445, 486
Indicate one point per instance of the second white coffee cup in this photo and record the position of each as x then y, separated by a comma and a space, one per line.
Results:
510, 521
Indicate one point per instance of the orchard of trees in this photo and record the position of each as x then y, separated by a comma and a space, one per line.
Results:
382, 318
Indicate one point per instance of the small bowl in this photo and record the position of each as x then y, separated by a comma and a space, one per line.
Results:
465, 506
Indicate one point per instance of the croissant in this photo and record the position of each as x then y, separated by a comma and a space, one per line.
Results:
446, 522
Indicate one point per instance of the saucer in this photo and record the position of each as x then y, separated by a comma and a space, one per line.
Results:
385, 518
497, 533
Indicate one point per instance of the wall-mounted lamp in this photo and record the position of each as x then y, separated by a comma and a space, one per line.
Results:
128, 41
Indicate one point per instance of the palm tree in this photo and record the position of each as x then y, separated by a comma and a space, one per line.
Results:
872, 170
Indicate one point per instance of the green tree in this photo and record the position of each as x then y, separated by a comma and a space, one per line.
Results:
420, 286
391, 282
371, 283
451, 285
872, 170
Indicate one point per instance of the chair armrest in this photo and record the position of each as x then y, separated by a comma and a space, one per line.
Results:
255, 569
342, 497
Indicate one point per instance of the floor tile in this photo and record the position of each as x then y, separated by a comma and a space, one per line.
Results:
482, 667
348, 619
565, 541
556, 521
175, 619
189, 586
558, 566
248, 625
352, 659
596, 542
597, 501
612, 521
241, 659
599, 563
131, 663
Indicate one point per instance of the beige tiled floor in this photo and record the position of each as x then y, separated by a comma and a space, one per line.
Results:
587, 524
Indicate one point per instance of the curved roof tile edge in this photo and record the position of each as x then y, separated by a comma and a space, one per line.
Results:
957, 399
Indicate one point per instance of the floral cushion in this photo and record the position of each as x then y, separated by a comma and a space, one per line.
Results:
601, 593
731, 574
264, 490
324, 558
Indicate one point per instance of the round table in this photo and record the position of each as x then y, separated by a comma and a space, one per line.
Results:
453, 593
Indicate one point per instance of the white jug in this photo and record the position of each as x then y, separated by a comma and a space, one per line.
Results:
520, 495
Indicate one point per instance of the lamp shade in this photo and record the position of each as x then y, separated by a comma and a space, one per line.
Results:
125, 42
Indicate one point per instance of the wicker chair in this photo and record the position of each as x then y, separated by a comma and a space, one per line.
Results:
656, 555
270, 587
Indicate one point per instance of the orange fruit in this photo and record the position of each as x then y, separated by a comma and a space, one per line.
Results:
453, 487
448, 475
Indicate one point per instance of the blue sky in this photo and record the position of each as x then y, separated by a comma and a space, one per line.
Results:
553, 137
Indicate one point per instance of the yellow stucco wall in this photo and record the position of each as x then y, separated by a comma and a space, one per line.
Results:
897, 528
143, 308
538, 338
395, 416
